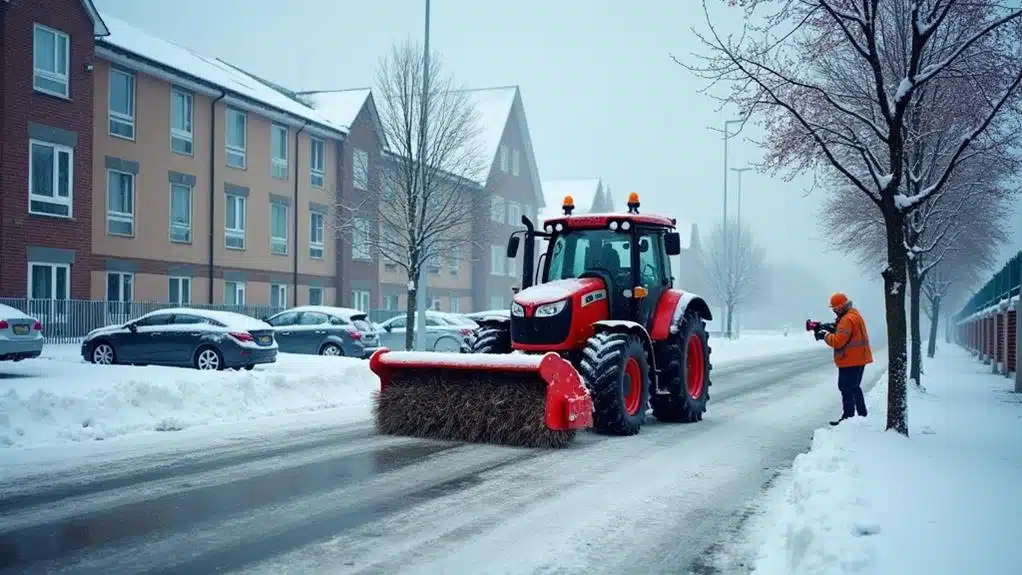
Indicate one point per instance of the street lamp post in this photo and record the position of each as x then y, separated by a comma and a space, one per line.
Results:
738, 231
420, 294
724, 234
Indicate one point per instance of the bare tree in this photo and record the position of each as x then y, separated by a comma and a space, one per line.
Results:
832, 82
734, 264
425, 199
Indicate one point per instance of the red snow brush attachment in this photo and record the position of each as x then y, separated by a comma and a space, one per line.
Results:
507, 399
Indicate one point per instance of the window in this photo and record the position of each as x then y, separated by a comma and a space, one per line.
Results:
527, 211
50, 179
434, 304
50, 56
497, 209
360, 240
496, 302
360, 300
234, 293
587, 249
121, 103
278, 151
390, 302
512, 266
455, 304
503, 158
433, 263
389, 191
313, 318
516, 160
119, 289
317, 163
120, 203
514, 214
179, 290
180, 213
181, 135
49, 281
235, 224
454, 260
315, 296
316, 245
237, 133
278, 229
360, 174
498, 260
650, 266
278, 295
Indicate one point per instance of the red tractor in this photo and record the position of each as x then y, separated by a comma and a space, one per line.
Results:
605, 305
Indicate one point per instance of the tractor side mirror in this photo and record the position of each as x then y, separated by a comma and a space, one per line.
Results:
672, 243
512, 246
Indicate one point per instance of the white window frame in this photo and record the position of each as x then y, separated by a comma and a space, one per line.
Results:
503, 158
278, 244
516, 160
124, 217
184, 296
511, 266
498, 210
319, 290
391, 302
514, 213
54, 296
317, 232
433, 263
238, 152
116, 116
361, 300
56, 76
278, 165
179, 134
281, 292
454, 260
498, 260
360, 169
121, 275
454, 303
236, 232
56, 199
170, 217
317, 163
239, 290
435, 303
360, 239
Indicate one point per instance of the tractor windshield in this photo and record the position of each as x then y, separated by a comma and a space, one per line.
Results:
579, 251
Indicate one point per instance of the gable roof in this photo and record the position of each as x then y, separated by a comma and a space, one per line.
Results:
340, 106
99, 28
128, 39
587, 193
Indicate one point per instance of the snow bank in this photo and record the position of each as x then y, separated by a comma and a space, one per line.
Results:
946, 500
59, 399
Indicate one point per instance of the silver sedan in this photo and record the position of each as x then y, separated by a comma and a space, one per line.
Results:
21, 335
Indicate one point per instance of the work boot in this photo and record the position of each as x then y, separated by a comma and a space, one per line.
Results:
840, 419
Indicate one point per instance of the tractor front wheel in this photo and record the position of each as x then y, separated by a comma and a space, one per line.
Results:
616, 371
489, 339
685, 358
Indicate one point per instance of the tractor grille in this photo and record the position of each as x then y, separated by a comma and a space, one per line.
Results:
542, 330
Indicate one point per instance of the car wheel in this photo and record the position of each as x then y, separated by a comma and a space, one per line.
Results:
249, 367
447, 345
103, 354
208, 359
331, 349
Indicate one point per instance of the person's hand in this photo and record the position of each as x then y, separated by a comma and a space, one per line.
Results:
820, 334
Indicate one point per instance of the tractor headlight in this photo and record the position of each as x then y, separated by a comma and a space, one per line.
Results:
517, 310
551, 309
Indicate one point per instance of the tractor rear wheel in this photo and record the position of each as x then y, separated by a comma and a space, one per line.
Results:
686, 373
616, 370
490, 339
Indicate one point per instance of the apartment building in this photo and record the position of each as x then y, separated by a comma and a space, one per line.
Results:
46, 157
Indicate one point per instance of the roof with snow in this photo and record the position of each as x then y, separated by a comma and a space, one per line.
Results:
99, 27
340, 106
131, 40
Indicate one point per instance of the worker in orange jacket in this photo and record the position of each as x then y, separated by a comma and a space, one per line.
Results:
852, 354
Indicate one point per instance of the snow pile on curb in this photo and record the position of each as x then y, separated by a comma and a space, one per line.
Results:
944, 501
60, 401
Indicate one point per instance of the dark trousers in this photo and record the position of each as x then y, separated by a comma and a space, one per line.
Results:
849, 381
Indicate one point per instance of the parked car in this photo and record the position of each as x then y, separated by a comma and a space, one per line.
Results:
21, 335
478, 315
444, 332
203, 339
324, 330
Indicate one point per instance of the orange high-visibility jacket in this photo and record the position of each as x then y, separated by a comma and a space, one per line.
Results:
850, 341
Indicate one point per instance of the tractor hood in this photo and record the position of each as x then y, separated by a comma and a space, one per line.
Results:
556, 291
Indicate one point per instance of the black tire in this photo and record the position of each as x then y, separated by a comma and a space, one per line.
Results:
607, 361
681, 405
490, 339
328, 346
249, 367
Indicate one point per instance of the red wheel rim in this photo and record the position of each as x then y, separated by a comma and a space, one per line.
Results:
633, 381
696, 368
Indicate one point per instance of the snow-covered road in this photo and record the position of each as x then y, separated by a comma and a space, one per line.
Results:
332, 499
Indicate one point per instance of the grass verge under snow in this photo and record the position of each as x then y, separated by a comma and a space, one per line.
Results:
946, 500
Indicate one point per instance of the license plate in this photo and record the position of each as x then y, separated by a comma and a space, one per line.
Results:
21, 330
265, 339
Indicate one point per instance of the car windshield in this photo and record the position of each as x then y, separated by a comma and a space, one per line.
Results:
582, 250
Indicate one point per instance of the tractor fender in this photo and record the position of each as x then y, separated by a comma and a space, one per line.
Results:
633, 328
495, 320
671, 310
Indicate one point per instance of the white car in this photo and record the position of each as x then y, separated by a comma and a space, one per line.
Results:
21, 335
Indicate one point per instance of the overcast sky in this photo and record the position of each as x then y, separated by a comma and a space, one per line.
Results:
601, 94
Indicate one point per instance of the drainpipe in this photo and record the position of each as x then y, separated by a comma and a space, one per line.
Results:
294, 297
212, 186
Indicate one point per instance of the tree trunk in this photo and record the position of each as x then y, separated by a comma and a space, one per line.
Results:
894, 303
730, 314
931, 350
915, 293
410, 314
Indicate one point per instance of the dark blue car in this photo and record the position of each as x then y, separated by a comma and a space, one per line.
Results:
185, 337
